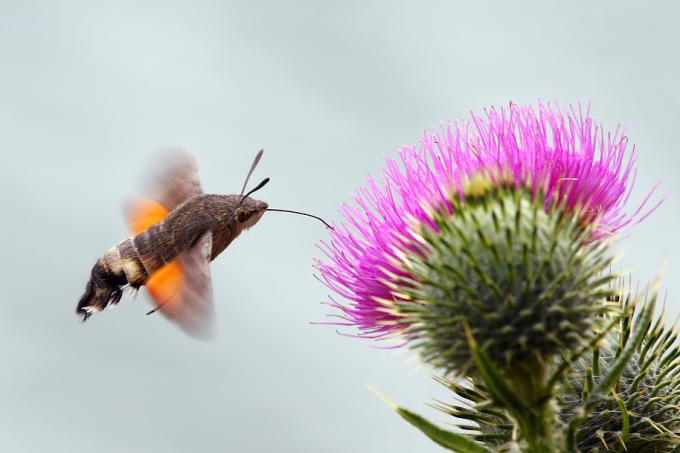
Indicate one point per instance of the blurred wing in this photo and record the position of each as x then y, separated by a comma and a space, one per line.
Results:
183, 289
143, 213
174, 179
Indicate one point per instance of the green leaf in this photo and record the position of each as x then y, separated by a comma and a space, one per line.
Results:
447, 439
497, 386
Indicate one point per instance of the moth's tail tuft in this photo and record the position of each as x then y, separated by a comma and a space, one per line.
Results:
100, 292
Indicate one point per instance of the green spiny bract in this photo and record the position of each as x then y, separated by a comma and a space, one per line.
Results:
641, 413
646, 395
528, 283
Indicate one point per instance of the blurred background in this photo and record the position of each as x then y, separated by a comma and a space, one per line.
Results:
90, 91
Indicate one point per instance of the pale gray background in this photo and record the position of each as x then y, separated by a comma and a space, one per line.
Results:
89, 91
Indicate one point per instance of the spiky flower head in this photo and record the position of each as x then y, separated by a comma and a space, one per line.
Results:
525, 282
503, 213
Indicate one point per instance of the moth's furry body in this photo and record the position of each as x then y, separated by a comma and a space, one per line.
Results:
134, 260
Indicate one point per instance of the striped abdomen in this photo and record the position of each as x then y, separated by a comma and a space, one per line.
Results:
135, 259
131, 262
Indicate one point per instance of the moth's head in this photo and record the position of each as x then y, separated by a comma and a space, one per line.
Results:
249, 212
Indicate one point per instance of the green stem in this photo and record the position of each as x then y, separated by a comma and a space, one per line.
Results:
529, 381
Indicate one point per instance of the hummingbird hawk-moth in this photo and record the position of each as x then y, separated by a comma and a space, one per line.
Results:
178, 230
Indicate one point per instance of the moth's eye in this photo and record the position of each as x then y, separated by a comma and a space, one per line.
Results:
241, 215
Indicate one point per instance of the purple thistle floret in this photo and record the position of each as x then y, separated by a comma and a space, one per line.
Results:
563, 154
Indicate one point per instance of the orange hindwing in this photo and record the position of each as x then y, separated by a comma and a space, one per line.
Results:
167, 283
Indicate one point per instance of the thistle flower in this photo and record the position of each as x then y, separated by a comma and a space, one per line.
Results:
488, 221
525, 282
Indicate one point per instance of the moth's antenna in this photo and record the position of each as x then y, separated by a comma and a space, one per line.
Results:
257, 187
303, 213
252, 169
